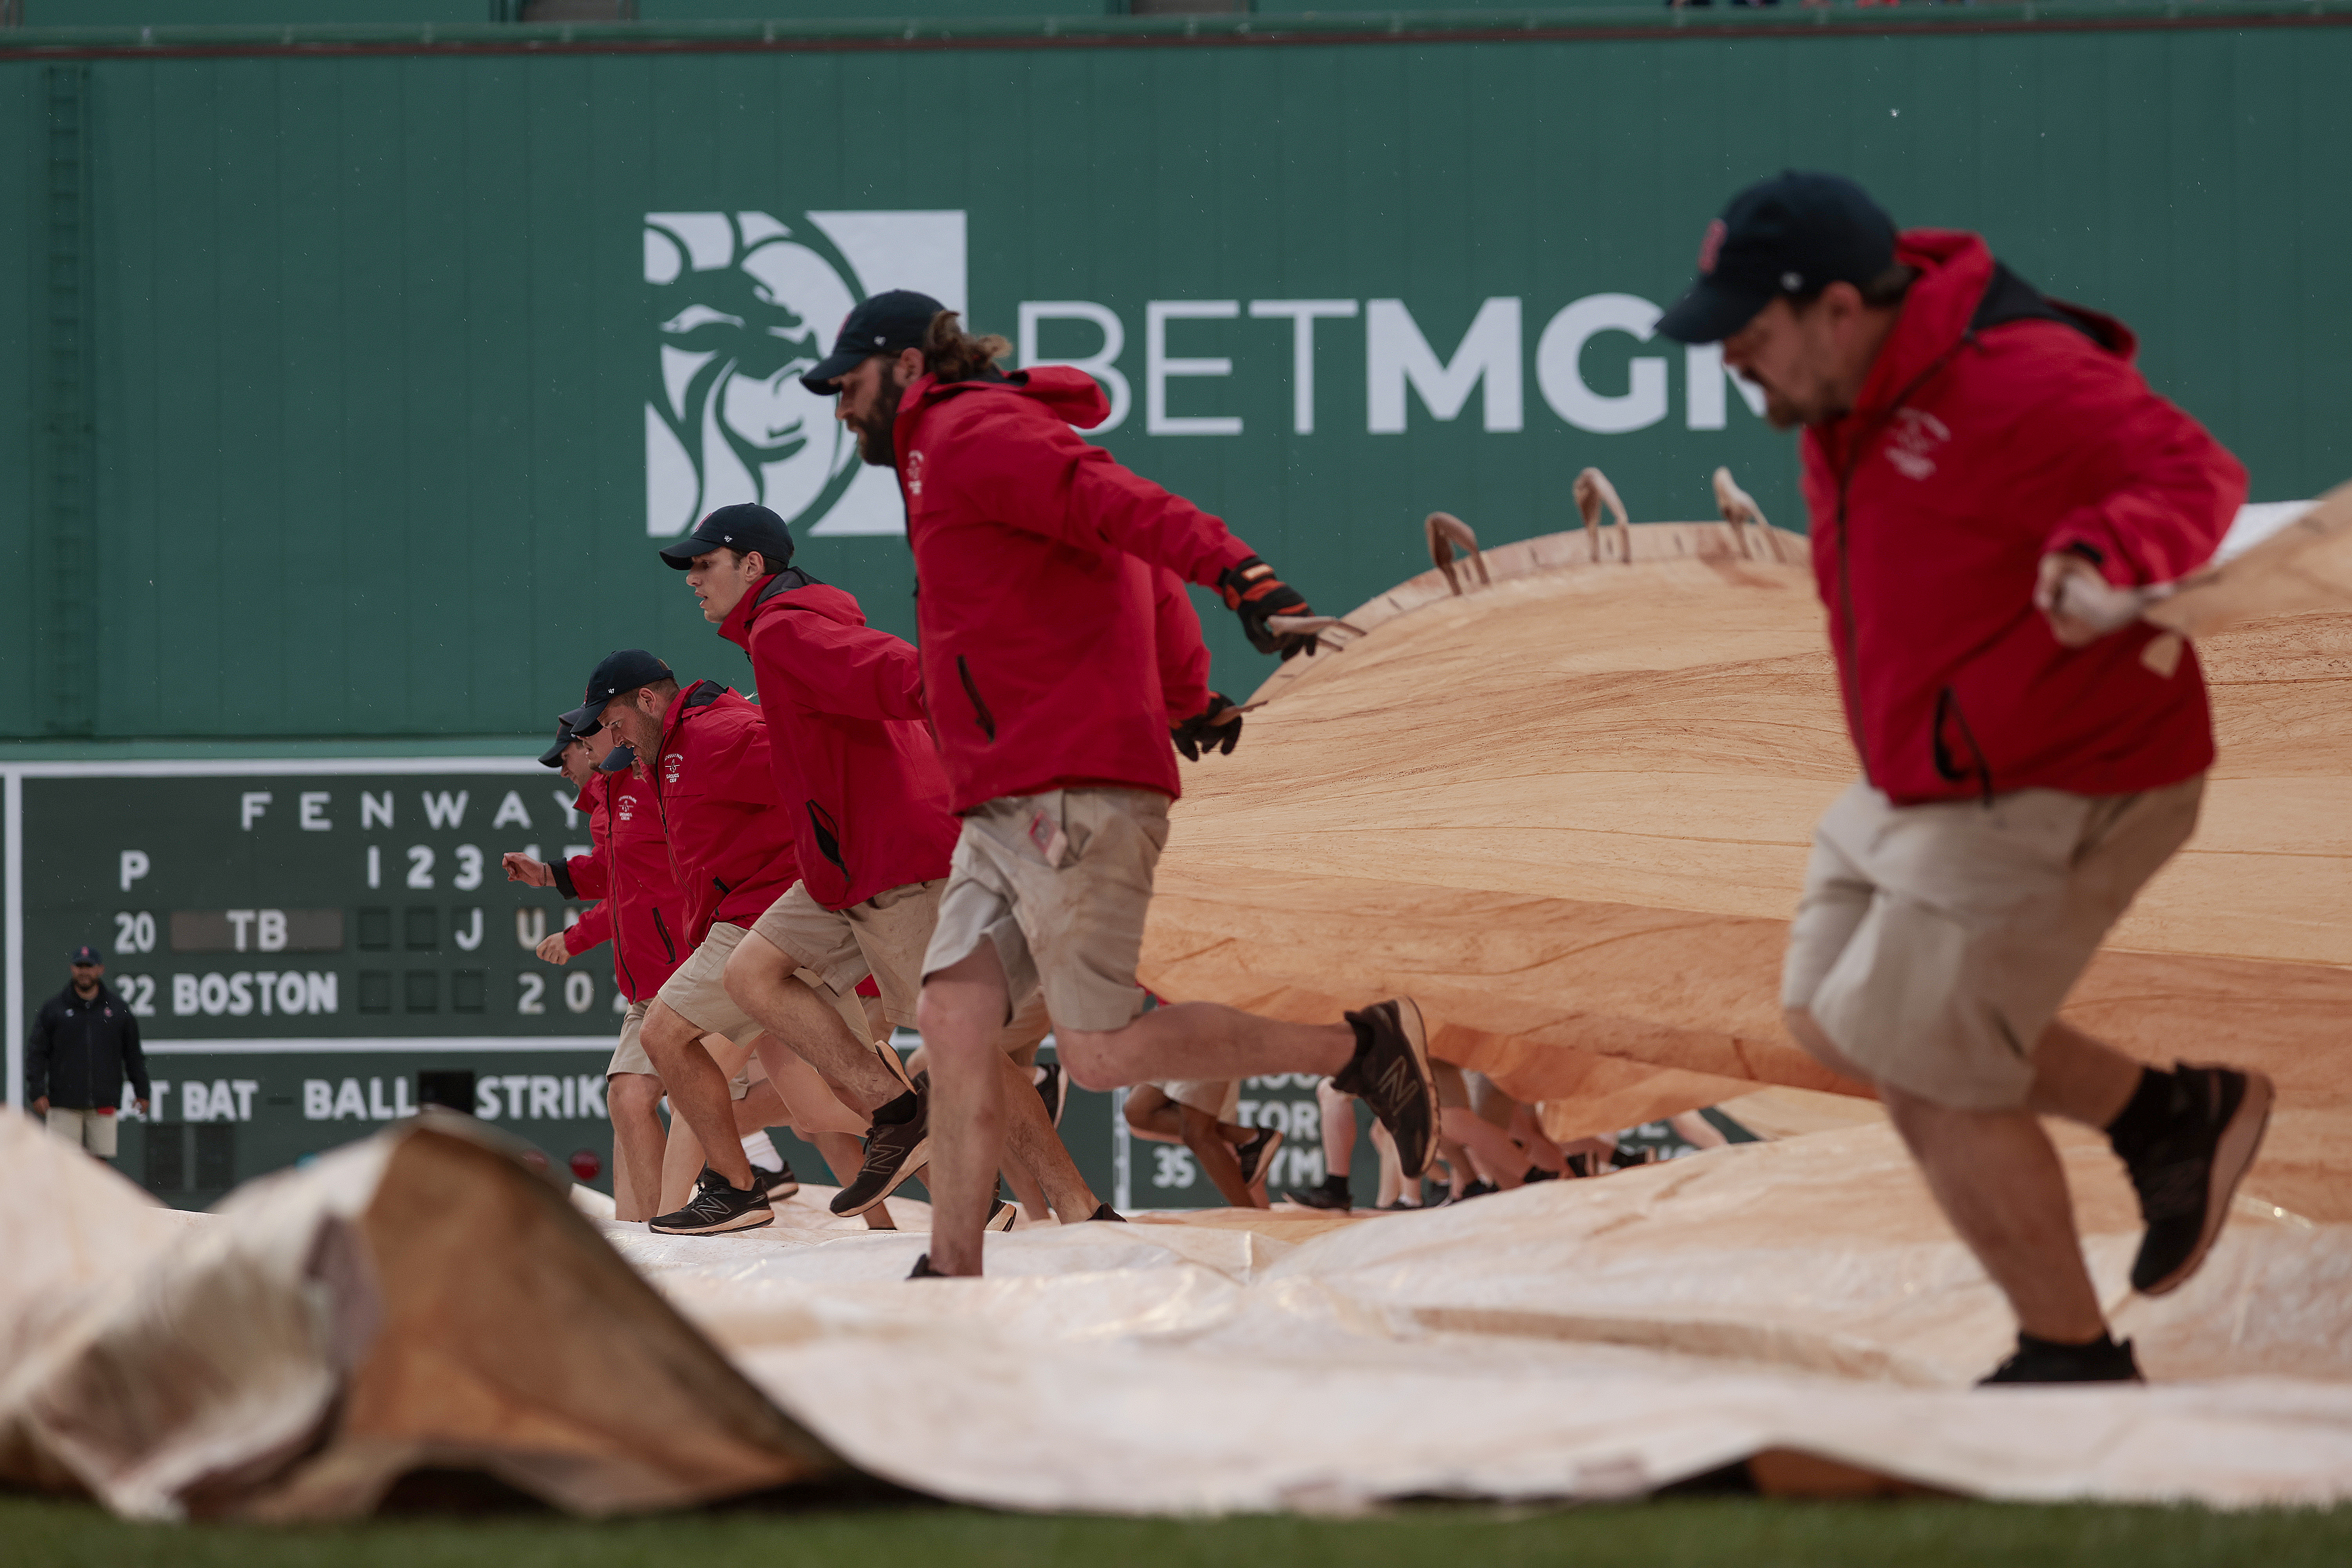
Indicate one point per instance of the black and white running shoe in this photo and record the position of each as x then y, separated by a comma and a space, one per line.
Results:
2048, 1361
1390, 1072
781, 1182
1257, 1156
2188, 1173
717, 1207
894, 1153
923, 1270
1002, 1216
1104, 1212
1052, 1088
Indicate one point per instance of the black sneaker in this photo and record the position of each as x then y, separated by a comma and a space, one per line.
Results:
1400, 1207
1257, 1156
2048, 1361
716, 1207
1104, 1212
1538, 1174
2188, 1173
782, 1184
1334, 1200
1390, 1072
923, 1270
1053, 1088
1001, 1218
894, 1153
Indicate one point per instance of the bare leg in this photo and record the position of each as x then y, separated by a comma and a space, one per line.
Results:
2081, 1078
962, 1009
1033, 1144
1998, 1178
1338, 1113
1391, 1183
1152, 1114
1025, 1188
1202, 1040
1216, 1157
1501, 1161
811, 1104
1697, 1130
634, 1099
697, 1096
1526, 1129
761, 978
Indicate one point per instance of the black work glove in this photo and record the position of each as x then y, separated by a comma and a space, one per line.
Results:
1201, 733
1252, 592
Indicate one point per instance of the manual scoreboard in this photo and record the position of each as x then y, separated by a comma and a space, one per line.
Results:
301, 941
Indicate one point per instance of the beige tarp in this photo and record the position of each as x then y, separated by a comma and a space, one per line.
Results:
1569, 813
1572, 1339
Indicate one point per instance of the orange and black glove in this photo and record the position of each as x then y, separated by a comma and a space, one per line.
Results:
1252, 592
1205, 732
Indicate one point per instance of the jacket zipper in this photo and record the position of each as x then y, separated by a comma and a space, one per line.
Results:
979, 707
661, 927
828, 836
1853, 660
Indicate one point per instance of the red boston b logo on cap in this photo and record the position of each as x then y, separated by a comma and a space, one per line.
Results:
1710, 245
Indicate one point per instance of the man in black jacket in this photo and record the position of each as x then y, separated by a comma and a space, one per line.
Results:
84, 1044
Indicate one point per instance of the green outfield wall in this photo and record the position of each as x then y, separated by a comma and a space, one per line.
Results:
349, 378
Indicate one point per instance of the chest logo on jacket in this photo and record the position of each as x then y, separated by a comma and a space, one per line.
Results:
741, 304
1915, 435
914, 473
672, 763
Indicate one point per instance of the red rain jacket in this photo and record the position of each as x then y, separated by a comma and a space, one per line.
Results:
1047, 643
730, 847
1996, 426
640, 912
853, 762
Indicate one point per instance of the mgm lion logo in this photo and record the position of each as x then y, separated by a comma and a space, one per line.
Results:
745, 304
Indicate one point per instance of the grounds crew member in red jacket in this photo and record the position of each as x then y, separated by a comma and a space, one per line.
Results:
628, 870
1045, 678
859, 778
704, 750
1969, 446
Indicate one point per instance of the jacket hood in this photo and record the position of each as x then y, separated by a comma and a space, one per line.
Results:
806, 594
1072, 394
1961, 289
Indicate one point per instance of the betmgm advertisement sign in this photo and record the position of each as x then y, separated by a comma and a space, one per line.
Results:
747, 301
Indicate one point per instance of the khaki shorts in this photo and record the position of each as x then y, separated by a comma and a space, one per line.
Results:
1219, 1097
1934, 944
629, 1056
885, 937
93, 1130
695, 992
1071, 926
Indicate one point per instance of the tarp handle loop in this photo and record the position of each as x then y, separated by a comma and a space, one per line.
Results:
1592, 491
1739, 506
1447, 531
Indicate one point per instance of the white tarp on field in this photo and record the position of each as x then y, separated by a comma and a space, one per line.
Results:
420, 1299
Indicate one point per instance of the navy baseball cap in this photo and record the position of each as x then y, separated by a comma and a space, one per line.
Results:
743, 527
564, 735
882, 324
623, 671
86, 955
1794, 233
